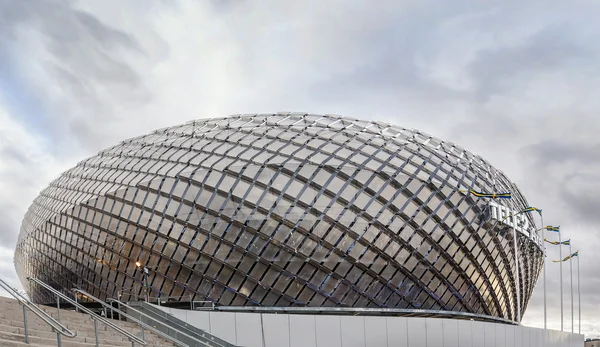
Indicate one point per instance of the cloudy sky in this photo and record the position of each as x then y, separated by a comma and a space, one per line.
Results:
513, 81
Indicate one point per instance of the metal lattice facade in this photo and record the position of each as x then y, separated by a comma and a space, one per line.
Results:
282, 210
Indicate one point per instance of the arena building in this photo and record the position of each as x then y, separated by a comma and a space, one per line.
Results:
286, 210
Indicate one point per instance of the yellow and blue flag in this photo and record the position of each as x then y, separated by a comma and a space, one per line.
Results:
556, 243
506, 195
576, 254
551, 228
531, 209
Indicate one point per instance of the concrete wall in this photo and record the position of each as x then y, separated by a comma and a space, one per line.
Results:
295, 330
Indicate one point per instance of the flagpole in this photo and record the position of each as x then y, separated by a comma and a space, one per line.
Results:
561, 281
544, 250
517, 276
578, 292
572, 314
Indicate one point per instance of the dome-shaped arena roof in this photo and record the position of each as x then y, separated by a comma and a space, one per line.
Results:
285, 210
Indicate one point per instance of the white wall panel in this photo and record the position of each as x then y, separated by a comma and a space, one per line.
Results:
553, 338
501, 335
201, 319
181, 314
277, 330
524, 336
478, 333
397, 331
518, 337
531, 342
222, 325
450, 331
564, 338
285, 330
435, 332
417, 332
328, 331
576, 340
549, 339
249, 329
353, 331
510, 336
302, 331
490, 334
376, 332
465, 335
538, 339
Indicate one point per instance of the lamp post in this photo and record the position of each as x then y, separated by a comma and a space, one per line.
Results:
145, 272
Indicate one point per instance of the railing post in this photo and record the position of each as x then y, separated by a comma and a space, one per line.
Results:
58, 337
25, 324
142, 332
76, 308
96, 331
191, 303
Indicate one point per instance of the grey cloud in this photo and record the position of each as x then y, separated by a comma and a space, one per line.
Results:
465, 71
10, 221
106, 36
496, 69
571, 167
13, 154
580, 193
87, 62
558, 151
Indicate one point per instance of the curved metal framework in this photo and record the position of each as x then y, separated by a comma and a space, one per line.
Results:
284, 210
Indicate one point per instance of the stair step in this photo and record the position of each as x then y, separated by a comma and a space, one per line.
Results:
40, 334
33, 320
107, 339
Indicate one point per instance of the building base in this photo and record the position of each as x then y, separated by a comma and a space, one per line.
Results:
319, 330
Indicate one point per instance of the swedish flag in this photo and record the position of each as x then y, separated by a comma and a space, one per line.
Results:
576, 254
556, 243
551, 228
506, 195
531, 209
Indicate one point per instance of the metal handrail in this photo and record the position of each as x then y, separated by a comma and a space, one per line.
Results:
57, 326
166, 316
134, 339
133, 319
212, 304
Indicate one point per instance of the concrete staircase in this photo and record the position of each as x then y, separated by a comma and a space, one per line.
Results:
12, 332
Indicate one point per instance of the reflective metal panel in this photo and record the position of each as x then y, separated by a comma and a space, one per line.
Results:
284, 210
